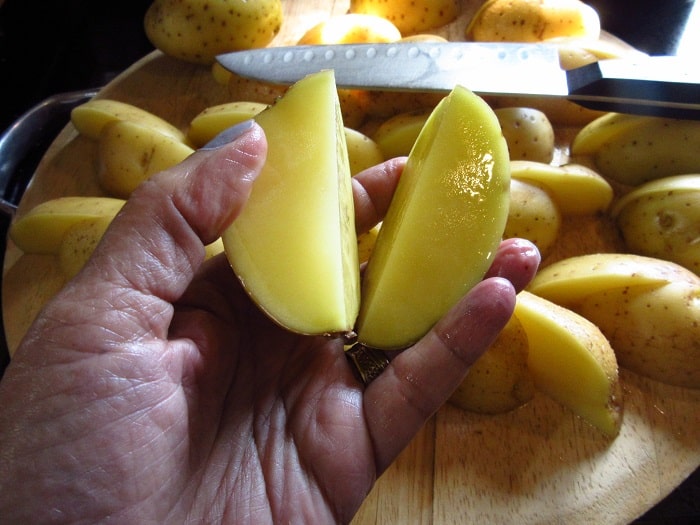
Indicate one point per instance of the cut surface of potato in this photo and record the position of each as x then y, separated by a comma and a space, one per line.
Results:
42, 228
572, 362
443, 225
294, 245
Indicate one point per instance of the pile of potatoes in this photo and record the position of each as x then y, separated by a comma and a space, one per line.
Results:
612, 206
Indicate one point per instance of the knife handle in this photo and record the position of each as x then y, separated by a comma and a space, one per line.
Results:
657, 86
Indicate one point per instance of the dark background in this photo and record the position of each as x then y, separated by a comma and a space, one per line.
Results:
55, 46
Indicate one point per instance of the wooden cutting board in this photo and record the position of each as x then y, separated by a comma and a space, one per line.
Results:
538, 464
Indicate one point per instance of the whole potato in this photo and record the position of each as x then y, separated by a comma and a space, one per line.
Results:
532, 215
198, 30
533, 21
500, 380
410, 16
528, 132
662, 219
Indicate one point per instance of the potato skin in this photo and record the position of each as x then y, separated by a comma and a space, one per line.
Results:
655, 331
532, 215
662, 219
533, 21
410, 16
499, 381
198, 30
528, 132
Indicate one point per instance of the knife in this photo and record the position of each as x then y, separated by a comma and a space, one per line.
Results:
661, 86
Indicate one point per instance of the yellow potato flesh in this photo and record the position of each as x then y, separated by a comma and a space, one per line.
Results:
570, 280
577, 190
91, 118
443, 226
294, 245
215, 119
41, 230
571, 361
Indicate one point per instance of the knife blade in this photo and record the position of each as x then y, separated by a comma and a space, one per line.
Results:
662, 86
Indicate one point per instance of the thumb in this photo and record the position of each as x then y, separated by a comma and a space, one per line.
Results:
149, 255
157, 241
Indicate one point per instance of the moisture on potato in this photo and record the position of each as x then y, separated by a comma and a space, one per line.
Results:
410, 16
198, 30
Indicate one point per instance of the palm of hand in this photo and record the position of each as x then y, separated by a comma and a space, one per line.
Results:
153, 390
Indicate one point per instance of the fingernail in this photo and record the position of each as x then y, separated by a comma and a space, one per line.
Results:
228, 135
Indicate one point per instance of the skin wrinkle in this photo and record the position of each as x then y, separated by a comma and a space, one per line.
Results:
214, 392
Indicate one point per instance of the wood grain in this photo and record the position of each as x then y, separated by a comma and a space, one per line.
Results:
538, 464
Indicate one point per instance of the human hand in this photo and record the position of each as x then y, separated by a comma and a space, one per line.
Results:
152, 390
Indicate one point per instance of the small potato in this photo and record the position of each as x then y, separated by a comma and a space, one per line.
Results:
214, 119
351, 29
92, 116
533, 215
363, 152
410, 16
500, 379
129, 153
662, 219
397, 135
533, 21
198, 30
528, 132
